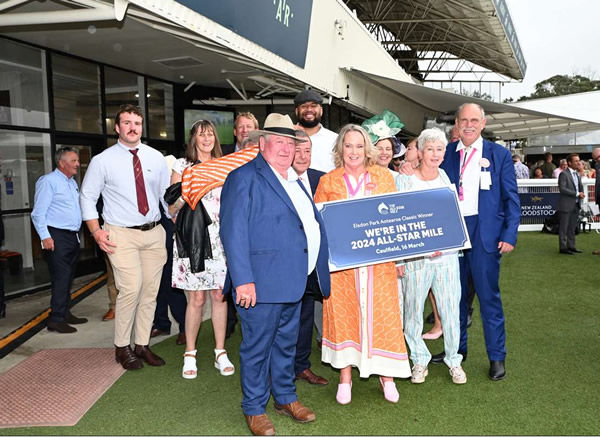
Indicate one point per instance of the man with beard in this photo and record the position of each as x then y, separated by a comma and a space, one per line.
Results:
309, 112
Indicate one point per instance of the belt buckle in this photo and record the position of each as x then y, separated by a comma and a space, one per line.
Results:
146, 226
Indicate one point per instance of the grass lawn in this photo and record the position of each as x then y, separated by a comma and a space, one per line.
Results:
551, 303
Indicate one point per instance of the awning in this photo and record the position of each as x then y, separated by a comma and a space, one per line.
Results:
504, 121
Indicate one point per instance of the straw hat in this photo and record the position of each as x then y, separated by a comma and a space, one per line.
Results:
279, 124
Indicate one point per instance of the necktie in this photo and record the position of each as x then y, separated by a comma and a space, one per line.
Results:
140, 187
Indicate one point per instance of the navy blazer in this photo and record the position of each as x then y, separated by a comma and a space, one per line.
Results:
314, 176
263, 236
499, 207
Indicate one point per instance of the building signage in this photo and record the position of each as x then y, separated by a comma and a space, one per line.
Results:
280, 26
393, 226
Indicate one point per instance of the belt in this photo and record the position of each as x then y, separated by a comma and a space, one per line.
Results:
145, 227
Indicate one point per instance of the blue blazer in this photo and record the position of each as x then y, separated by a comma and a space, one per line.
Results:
263, 237
499, 207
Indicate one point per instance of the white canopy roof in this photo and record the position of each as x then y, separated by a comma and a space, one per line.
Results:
504, 121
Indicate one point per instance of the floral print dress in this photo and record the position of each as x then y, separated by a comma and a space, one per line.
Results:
213, 277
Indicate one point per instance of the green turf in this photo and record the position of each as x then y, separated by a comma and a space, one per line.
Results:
552, 387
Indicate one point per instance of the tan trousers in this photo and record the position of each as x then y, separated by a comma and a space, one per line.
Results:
137, 262
110, 284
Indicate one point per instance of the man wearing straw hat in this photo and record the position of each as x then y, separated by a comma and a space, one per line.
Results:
273, 238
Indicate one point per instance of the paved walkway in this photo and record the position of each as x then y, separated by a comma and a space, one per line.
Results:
94, 333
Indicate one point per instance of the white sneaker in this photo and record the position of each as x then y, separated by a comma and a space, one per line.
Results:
458, 375
418, 374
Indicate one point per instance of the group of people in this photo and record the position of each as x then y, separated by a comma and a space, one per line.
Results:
545, 169
246, 224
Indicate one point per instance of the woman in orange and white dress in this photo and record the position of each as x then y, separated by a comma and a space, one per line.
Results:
362, 326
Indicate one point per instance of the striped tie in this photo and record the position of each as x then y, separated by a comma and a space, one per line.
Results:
140, 187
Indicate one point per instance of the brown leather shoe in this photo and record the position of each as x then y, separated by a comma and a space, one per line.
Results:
148, 356
180, 338
126, 358
110, 315
156, 332
260, 424
308, 376
296, 411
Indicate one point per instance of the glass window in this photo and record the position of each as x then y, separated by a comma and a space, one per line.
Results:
23, 90
76, 86
121, 87
24, 157
160, 121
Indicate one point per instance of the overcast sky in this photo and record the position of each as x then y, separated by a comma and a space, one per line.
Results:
556, 37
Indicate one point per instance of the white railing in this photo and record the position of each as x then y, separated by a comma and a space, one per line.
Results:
532, 218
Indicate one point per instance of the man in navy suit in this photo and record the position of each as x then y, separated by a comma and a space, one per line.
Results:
310, 179
487, 189
273, 238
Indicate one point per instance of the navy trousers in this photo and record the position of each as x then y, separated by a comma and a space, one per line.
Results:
484, 270
61, 263
305, 331
169, 297
267, 352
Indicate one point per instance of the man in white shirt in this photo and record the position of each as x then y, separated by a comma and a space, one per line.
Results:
309, 178
309, 112
132, 178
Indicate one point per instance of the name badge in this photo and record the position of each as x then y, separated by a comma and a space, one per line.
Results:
485, 180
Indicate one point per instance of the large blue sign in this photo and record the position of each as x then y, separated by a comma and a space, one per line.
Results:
394, 226
280, 26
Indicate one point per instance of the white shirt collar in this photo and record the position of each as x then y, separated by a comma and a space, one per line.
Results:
292, 176
478, 144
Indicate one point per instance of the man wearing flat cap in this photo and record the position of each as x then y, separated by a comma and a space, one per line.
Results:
309, 112
274, 239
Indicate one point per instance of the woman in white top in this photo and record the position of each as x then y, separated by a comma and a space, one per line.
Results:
203, 145
440, 272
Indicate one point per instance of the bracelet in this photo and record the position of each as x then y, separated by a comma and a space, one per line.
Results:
95, 231
180, 201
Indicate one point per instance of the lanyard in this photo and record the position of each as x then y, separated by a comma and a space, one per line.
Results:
354, 191
465, 162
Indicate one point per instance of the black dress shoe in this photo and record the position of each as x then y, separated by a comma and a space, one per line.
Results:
439, 358
148, 356
61, 327
126, 358
575, 250
497, 371
566, 252
180, 338
72, 320
430, 318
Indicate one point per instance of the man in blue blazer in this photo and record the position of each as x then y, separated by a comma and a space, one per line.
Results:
485, 180
273, 238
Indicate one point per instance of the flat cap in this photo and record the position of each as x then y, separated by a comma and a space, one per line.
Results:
307, 96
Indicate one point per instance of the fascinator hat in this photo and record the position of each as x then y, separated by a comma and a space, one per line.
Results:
385, 125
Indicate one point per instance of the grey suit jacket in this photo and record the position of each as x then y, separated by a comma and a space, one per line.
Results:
568, 191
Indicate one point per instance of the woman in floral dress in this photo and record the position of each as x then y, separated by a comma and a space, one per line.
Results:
202, 146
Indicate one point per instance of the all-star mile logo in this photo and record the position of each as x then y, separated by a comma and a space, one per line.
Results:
383, 209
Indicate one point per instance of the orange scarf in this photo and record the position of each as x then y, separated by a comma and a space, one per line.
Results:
199, 179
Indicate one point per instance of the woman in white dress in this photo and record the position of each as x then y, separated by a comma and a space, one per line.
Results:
203, 145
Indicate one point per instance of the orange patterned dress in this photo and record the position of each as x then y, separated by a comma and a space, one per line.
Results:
362, 326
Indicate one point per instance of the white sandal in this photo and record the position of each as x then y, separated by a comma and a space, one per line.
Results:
222, 362
190, 371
